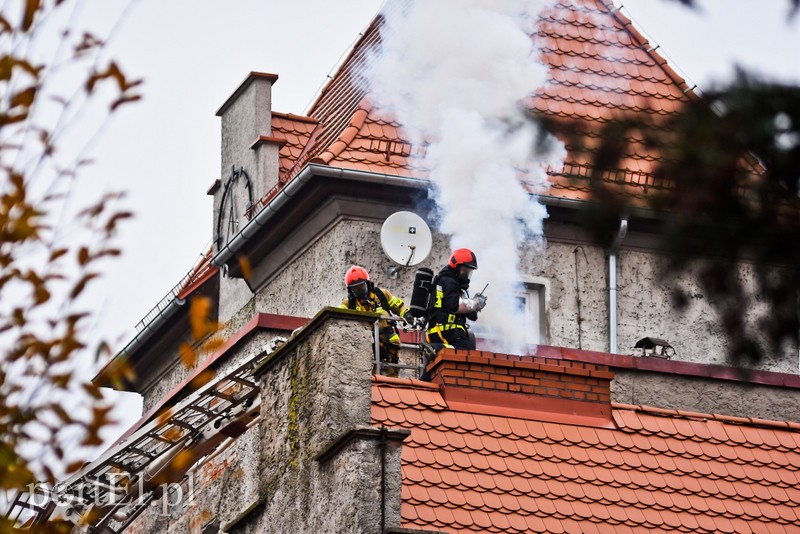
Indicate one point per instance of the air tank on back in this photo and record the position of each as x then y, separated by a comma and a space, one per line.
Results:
421, 292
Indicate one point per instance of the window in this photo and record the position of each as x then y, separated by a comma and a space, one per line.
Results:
532, 300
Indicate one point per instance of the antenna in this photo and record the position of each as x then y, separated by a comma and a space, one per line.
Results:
406, 239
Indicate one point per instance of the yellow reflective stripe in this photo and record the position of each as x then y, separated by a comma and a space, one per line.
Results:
437, 329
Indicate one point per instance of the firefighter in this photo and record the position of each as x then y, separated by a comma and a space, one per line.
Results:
363, 295
452, 305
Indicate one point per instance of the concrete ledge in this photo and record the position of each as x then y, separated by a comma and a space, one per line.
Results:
248, 514
360, 433
675, 367
323, 315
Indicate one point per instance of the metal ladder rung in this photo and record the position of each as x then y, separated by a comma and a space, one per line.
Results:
243, 381
204, 411
143, 453
129, 458
182, 424
223, 396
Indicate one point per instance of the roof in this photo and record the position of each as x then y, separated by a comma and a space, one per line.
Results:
478, 467
600, 68
169, 317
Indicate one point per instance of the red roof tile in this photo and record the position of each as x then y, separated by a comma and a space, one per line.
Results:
600, 68
466, 471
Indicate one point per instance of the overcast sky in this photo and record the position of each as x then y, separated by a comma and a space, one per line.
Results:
165, 151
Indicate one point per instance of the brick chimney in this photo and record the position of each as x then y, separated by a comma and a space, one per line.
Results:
525, 386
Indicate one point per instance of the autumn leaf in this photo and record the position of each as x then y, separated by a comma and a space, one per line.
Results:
199, 318
93, 390
188, 355
124, 100
214, 343
182, 460
164, 416
112, 222
83, 256
81, 285
203, 378
32, 7
88, 42
244, 265
172, 434
57, 253
24, 98
74, 466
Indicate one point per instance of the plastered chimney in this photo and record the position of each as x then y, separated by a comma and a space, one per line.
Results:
249, 155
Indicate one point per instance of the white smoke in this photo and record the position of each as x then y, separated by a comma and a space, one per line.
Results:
455, 73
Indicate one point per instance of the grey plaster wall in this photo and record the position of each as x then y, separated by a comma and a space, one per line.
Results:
246, 117
221, 489
316, 278
161, 377
234, 296
216, 492
705, 395
577, 307
646, 309
577, 312
243, 121
316, 392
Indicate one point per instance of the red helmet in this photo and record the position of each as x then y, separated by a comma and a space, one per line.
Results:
355, 274
463, 256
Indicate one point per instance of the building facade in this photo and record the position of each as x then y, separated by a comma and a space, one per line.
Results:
580, 433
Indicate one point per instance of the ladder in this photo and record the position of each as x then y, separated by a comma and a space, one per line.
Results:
109, 493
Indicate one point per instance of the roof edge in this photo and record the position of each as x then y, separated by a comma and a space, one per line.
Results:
729, 419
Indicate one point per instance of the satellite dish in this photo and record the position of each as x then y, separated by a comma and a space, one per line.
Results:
406, 238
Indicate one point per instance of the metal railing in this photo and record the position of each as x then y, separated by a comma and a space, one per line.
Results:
379, 366
195, 272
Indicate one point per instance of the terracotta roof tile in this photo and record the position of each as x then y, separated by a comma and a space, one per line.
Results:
491, 473
600, 68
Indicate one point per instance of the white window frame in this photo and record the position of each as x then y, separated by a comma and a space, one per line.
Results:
535, 294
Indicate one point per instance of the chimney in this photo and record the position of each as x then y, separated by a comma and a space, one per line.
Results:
524, 386
249, 155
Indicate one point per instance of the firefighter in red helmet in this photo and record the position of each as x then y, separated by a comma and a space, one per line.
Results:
363, 295
452, 305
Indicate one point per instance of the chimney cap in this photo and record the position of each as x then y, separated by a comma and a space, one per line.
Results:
272, 78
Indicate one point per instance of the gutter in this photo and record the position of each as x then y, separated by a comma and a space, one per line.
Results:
580, 204
145, 334
292, 188
153, 326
